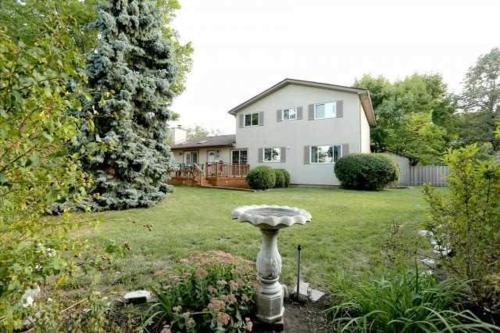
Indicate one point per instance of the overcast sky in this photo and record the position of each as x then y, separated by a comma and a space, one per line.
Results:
242, 47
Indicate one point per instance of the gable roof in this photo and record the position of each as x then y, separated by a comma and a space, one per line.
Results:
364, 95
209, 141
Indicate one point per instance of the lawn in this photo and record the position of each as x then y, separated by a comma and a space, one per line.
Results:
345, 236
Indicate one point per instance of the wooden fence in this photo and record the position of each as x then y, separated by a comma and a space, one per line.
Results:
432, 174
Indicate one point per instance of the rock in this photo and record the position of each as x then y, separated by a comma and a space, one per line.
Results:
137, 297
303, 291
425, 233
29, 296
431, 263
316, 295
442, 250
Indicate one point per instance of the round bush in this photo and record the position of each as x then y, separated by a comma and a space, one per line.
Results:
366, 171
285, 182
261, 178
280, 178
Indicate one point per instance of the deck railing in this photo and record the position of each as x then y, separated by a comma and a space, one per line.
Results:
220, 169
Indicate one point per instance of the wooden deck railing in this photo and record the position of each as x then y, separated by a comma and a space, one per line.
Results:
219, 169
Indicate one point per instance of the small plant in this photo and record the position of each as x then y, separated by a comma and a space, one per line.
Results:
215, 298
465, 218
407, 302
282, 178
366, 171
261, 178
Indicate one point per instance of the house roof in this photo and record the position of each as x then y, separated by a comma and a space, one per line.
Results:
209, 141
364, 95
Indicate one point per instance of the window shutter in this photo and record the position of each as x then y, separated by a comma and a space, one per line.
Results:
261, 155
261, 118
345, 149
299, 112
340, 109
283, 155
242, 119
307, 155
279, 115
311, 111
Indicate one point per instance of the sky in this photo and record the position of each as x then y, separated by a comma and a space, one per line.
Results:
242, 47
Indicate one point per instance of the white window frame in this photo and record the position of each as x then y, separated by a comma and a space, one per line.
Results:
271, 161
239, 155
251, 119
324, 103
333, 154
190, 153
294, 110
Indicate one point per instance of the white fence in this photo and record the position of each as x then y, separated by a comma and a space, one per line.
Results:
419, 175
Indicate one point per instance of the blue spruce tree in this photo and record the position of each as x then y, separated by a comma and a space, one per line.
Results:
132, 75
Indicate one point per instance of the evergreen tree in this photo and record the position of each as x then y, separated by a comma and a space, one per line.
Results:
131, 73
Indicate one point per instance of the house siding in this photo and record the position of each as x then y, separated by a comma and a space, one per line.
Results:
224, 154
294, 135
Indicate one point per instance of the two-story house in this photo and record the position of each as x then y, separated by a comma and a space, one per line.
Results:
298, 125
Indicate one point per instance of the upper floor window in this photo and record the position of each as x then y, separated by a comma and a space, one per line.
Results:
272, 154
290, 114
325, 154
325, 110
251, 119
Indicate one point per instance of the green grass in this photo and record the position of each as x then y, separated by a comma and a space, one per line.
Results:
344, 237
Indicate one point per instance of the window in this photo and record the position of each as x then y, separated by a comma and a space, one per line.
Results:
239, 156
251, 119
326, 154
289, 114
191, 157
272, 154
325, 110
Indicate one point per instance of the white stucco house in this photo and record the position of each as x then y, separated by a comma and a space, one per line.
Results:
298, 125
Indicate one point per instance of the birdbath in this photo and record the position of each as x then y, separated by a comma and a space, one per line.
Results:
270, 219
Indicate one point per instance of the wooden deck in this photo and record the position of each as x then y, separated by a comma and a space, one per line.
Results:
211, 175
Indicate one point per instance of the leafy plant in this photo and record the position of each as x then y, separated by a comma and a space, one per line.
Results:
261, 178
406, 302
366, 171
214, 298
282, 178
466, 219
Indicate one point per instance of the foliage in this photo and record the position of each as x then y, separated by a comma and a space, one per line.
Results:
261, 178
404, 302
214, 298
466, 219
480, 100
279, 178
199, 132
131, 74
282, 178
36, 168
412, 114
366, 171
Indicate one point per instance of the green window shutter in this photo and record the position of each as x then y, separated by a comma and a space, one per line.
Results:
311, 111
307, 155
345, 149
261, 155
261, 118
283, 155
299, 113
242, 120
279, 115
340, 109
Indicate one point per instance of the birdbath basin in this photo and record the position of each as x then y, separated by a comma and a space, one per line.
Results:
270, 219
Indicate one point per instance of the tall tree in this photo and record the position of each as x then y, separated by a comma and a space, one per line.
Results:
132, 74
481, 95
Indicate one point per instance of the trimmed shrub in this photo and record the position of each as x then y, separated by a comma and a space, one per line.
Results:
261, 178
280, 178
287, 177
366, 171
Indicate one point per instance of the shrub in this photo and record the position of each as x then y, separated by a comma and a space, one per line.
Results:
280, 178
214, 298
407, 302
366, 171
284, 176
465, 219
261, 178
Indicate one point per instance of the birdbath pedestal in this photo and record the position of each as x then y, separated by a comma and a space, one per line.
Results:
270, 219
